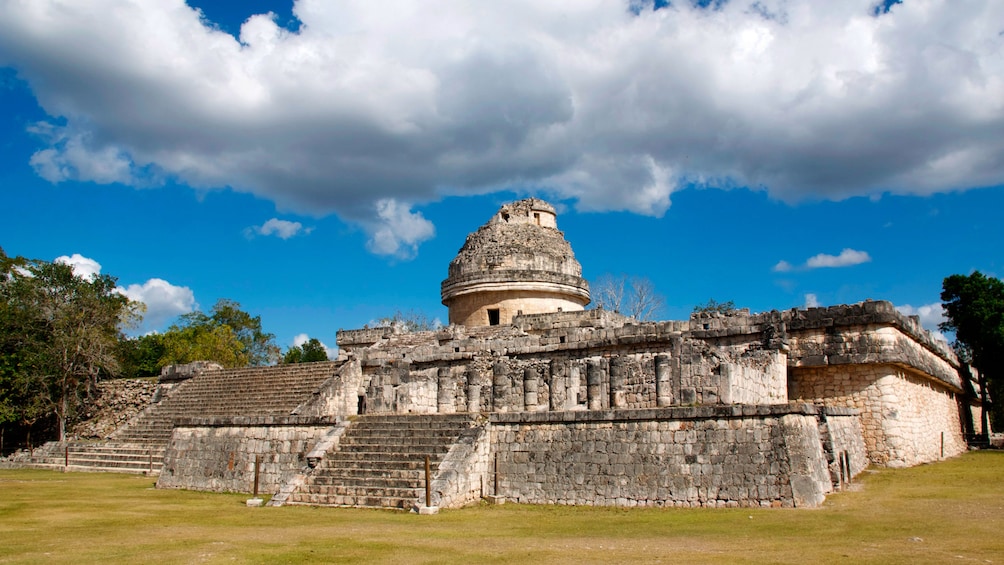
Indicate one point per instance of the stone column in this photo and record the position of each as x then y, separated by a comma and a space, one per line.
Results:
594, 384
557, 386
530, 389
500, 387
663, 381
444, 396
618, 380
473, 390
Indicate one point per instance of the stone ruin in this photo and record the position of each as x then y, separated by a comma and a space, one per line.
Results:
530, 397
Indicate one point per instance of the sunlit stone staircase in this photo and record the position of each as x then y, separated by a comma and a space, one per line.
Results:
139, 446
380, 461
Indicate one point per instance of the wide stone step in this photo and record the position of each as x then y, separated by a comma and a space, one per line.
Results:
369, 471
137, 466
115, 455
408, 447
379, 465
384, 436
367, 482
363, 491
378, 456
118, 451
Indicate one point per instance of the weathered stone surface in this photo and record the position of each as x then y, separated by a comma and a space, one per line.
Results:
218, 454
686, 457
116, 402
903, 414
517, 263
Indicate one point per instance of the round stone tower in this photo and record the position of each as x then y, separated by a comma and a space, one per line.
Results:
516, 263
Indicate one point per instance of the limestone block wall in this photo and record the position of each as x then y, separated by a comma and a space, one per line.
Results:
871, 344
338, 396
218, 454
762, 379
465, 475
686, 457
398, 388
903, 415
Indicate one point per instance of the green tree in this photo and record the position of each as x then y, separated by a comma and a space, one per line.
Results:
203, 342
974, 310
259, 346
227, 335
310, 351
140, 356
61, 332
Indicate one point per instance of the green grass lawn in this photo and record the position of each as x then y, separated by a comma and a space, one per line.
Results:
948, 512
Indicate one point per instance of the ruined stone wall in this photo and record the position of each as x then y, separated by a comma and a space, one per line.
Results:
218, 454
903, 415
399, 388
116, 402
871, 344
760, 378
339, 396
686, 374
686, 457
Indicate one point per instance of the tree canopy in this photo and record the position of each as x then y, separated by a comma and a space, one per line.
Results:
226, 335
58, 333
974, 310
310, 351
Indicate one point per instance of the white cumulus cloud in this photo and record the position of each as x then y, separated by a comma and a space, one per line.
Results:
811, 301
83, 267
398, 231
783, 267
847, 258
164, 301
612, 103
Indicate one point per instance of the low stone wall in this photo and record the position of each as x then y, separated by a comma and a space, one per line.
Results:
723, 456
904, 416
218, 454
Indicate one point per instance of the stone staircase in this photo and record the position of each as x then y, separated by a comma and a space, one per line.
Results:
258, 391
380, 461
105, 456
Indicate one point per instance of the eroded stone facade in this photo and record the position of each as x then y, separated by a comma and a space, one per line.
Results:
517, 263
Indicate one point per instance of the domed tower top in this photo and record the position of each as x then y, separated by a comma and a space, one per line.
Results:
516, 263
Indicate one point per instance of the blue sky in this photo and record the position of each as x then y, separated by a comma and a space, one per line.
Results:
323, 165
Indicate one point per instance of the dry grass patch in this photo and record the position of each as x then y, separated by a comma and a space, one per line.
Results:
951, 511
